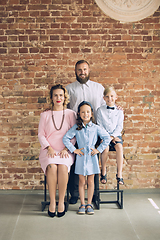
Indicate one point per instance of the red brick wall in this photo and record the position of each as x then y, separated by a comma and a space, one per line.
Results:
40, 42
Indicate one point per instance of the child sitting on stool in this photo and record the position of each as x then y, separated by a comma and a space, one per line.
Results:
111, 119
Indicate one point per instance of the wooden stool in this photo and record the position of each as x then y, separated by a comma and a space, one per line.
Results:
119, 193
97, 201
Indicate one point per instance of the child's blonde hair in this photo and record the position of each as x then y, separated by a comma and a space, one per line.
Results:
109, 89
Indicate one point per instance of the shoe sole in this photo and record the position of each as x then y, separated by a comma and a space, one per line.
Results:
81, 212
90, 213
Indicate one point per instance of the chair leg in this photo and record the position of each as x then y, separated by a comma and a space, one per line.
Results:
45, 188
67, 200
45, 202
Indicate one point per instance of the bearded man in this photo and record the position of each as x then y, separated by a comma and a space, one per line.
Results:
82, 90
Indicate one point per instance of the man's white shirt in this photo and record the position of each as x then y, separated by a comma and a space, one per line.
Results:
89, 91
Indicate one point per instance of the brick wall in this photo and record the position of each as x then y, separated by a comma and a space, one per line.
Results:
40, 42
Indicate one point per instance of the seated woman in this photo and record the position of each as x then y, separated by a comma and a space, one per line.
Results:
54, 158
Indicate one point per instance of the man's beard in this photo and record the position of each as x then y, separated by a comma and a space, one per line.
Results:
82, 80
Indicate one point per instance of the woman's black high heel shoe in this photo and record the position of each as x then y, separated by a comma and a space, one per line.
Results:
51, 214
61, 214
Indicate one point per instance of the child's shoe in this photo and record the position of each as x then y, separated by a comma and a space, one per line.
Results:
81, 209
89, 209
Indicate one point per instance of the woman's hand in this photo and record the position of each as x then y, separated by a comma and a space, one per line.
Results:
94, 151
63, 153
79, 152
51, 153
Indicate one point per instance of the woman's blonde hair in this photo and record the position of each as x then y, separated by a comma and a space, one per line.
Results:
66, 95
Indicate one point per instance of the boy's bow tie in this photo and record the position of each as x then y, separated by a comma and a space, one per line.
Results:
110, 107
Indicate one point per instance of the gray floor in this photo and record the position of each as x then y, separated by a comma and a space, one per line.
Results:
21, 218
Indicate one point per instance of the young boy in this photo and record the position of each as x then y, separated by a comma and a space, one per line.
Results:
111, 119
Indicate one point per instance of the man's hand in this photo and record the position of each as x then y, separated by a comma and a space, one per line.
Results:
120, 108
